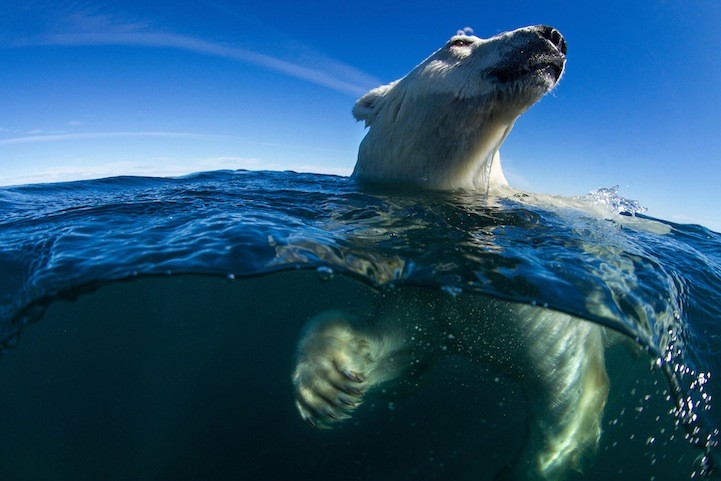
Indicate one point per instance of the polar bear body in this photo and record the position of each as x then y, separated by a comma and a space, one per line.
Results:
441, 127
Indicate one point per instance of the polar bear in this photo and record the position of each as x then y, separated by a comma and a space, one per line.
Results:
440, 127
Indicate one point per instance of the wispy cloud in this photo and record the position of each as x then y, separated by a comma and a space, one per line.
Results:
108, 135
27, 138
98, 29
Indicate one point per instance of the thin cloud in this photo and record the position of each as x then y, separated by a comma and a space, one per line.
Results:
31, 139
108, 135
102, 30
45, 132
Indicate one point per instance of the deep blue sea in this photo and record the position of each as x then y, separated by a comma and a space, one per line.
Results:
148, 327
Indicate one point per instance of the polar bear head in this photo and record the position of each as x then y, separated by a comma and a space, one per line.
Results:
441, 125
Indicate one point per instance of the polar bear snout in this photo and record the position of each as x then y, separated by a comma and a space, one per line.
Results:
553, 36
557, 63
534, 58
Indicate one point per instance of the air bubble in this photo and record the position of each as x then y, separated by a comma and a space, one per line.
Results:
452, 290
325, 273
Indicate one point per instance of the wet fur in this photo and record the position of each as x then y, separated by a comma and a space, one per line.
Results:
441, 127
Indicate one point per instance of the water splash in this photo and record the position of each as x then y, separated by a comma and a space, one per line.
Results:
609, 197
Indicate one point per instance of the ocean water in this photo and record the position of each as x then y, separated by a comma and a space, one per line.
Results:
148, 327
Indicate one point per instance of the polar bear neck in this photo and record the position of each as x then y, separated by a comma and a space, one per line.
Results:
435, 144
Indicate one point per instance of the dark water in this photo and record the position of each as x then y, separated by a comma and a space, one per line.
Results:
159, 319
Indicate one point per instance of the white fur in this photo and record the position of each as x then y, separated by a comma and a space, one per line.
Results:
440, 127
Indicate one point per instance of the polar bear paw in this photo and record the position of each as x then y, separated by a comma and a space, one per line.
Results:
334, 368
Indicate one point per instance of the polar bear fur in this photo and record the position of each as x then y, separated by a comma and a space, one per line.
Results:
440, 127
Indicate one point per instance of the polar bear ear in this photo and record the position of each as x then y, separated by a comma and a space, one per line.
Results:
366, 106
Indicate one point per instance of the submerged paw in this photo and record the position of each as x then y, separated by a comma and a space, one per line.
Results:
331, 373
324, 396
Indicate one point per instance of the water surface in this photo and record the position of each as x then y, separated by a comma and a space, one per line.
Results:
149, 326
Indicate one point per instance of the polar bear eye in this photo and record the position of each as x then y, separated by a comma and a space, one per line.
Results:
459, 42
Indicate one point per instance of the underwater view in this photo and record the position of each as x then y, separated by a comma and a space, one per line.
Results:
150, 328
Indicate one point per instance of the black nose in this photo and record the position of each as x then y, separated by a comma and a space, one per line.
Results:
553, 36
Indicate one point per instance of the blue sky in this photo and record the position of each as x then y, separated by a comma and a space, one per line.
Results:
94, 89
